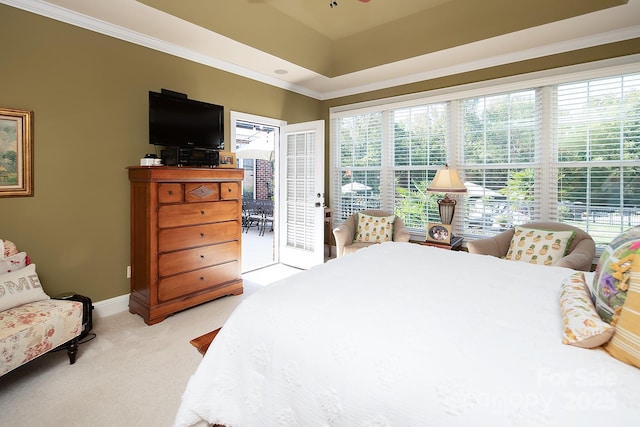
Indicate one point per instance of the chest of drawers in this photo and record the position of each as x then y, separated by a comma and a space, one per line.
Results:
185, 238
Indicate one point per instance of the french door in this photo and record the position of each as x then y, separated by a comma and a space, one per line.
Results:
301, 189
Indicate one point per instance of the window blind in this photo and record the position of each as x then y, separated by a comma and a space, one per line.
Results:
567, 152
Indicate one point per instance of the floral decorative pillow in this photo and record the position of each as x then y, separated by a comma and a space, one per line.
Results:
20, 287
613, 272
15, 262
374, 229
7, 249
538, 246
582, 325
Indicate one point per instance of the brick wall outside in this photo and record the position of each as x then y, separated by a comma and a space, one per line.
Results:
264, 180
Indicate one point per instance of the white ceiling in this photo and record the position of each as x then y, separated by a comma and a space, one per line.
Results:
138, 23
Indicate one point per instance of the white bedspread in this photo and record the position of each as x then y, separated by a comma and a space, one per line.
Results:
400, 334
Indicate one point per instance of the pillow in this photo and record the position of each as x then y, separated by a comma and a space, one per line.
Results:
616, 289
625, 344
582, 325
13, 263
538, 246
20, 287
374, 229
611, 278
7, 249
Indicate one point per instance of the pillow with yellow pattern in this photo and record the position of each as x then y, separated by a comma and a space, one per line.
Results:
538, 246
374, 229
581, 324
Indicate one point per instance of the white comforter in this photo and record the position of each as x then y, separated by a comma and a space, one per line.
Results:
400, 334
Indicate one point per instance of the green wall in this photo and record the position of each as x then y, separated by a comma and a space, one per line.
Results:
88, 93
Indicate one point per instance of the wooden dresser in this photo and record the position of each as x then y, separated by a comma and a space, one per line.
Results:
185, 238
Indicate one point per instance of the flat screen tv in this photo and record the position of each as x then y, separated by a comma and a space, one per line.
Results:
176, 121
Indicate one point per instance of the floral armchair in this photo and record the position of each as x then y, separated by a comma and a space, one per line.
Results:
31, 323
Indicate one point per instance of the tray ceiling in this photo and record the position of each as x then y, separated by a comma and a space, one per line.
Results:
325, 52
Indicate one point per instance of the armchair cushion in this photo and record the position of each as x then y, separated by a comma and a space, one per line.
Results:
30, 330
374, 229
20, 287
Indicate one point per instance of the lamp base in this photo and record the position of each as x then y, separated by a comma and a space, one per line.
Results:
446, 207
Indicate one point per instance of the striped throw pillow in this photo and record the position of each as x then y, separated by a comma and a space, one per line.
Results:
625, 344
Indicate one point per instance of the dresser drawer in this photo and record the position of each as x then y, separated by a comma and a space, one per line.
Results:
197, 213
170, 193
201, 192
195, 281
229, 191
192, 259
171, 239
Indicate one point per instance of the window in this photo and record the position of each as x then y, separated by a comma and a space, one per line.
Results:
565, 151
597, 133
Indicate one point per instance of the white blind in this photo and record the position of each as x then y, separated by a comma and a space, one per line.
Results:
358, 163
597, 137
500, 160
419, 147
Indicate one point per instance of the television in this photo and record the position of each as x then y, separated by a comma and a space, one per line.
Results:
176, 121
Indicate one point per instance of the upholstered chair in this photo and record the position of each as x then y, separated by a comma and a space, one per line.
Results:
345, 233
579, 254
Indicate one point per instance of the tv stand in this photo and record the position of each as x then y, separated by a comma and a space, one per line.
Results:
189, 157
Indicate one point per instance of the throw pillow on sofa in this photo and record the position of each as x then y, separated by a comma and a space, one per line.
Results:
374, 229
13, 263
538, 246
20, 287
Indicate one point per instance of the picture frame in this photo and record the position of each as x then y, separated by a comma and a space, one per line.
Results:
439, 233
227, 159
16, 152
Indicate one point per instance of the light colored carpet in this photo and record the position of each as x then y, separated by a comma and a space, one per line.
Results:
130, 375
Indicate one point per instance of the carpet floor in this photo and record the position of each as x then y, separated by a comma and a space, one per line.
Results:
130, 375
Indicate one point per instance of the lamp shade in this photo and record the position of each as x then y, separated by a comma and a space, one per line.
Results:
447, 181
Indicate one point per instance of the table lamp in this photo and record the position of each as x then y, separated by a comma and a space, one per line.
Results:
446, 181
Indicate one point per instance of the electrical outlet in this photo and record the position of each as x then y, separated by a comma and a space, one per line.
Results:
128, 272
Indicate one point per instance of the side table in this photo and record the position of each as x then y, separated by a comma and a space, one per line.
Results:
455, 245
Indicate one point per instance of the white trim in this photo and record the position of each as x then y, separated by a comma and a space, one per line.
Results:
111, 306
621, 65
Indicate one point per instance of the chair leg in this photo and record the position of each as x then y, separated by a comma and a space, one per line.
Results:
72, 349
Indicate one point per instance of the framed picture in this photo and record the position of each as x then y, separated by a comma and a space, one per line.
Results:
16, 149
439, 233
227, 159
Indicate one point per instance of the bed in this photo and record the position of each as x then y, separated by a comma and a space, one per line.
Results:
400, 334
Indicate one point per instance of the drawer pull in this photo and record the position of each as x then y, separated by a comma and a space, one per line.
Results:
201, 212
201, 256
201, 278
202, 235
229, 189
171, 192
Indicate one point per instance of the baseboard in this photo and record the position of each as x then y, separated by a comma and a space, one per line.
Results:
111, 306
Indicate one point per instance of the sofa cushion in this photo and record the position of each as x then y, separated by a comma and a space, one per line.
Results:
14, 262
374, 229
538, 246
29, 330
581, 324
20, 287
